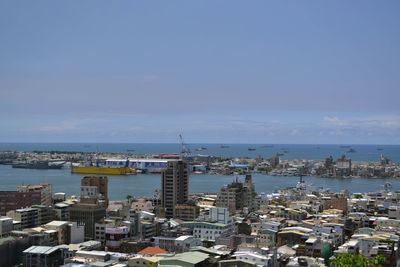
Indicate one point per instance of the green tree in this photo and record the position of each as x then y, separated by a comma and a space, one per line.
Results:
378, 260
350, 260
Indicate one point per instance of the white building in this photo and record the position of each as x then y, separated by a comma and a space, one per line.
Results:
142, 205
219, 215
148, 165
259, 259
89, 191
206, 230
77, 232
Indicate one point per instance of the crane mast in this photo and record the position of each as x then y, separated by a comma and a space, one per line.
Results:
185, 151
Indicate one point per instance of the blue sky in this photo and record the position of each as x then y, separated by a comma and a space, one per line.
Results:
215, 71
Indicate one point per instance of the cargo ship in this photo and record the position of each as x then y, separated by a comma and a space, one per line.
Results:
42, 165
125, 170
103, 170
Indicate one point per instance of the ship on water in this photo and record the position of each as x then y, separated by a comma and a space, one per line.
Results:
42, 165
125, 170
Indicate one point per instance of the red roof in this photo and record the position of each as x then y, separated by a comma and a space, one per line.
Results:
152, 251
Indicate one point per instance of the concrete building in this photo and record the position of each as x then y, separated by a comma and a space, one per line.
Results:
114, 236
95, 187
174, 186
38, 256
257, 258
219, 215
142, 205
87, 215
177, 244
29, 217
61, 211
339, 203
62, 229
46, 213
394, 212
45, 190
267, 237
143, 261
237, 195
13, 200
186, 212
343, 166
6, 225
206, 230
76, 233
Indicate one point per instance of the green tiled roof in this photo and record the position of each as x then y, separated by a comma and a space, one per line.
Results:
190, 257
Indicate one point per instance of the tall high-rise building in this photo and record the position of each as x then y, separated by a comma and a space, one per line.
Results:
92, 204
174, 186
87, 215
95, 187
237, 195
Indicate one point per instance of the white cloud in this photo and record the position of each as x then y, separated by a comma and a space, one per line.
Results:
62, 127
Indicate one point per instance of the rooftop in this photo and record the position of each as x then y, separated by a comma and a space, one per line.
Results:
190, 257
40, 250
152, 251
56, 223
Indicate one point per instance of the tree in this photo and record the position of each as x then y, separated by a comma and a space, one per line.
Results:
379, 260
350, 260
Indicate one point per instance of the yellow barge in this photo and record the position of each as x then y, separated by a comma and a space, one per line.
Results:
103, 170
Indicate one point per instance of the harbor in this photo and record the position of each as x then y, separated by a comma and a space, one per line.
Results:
141, 185
324, 161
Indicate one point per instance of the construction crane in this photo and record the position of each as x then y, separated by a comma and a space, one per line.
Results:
185, 151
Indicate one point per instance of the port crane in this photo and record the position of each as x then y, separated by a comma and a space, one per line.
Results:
185, 151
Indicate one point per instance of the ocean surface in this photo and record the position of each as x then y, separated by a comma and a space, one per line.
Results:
363, 152
145, 184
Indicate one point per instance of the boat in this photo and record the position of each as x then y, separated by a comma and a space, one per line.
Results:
351, 150
201, 148
42, 165
379, 148
102, 170
130, 150
251, 149
388, 185
224, 146
267, 146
